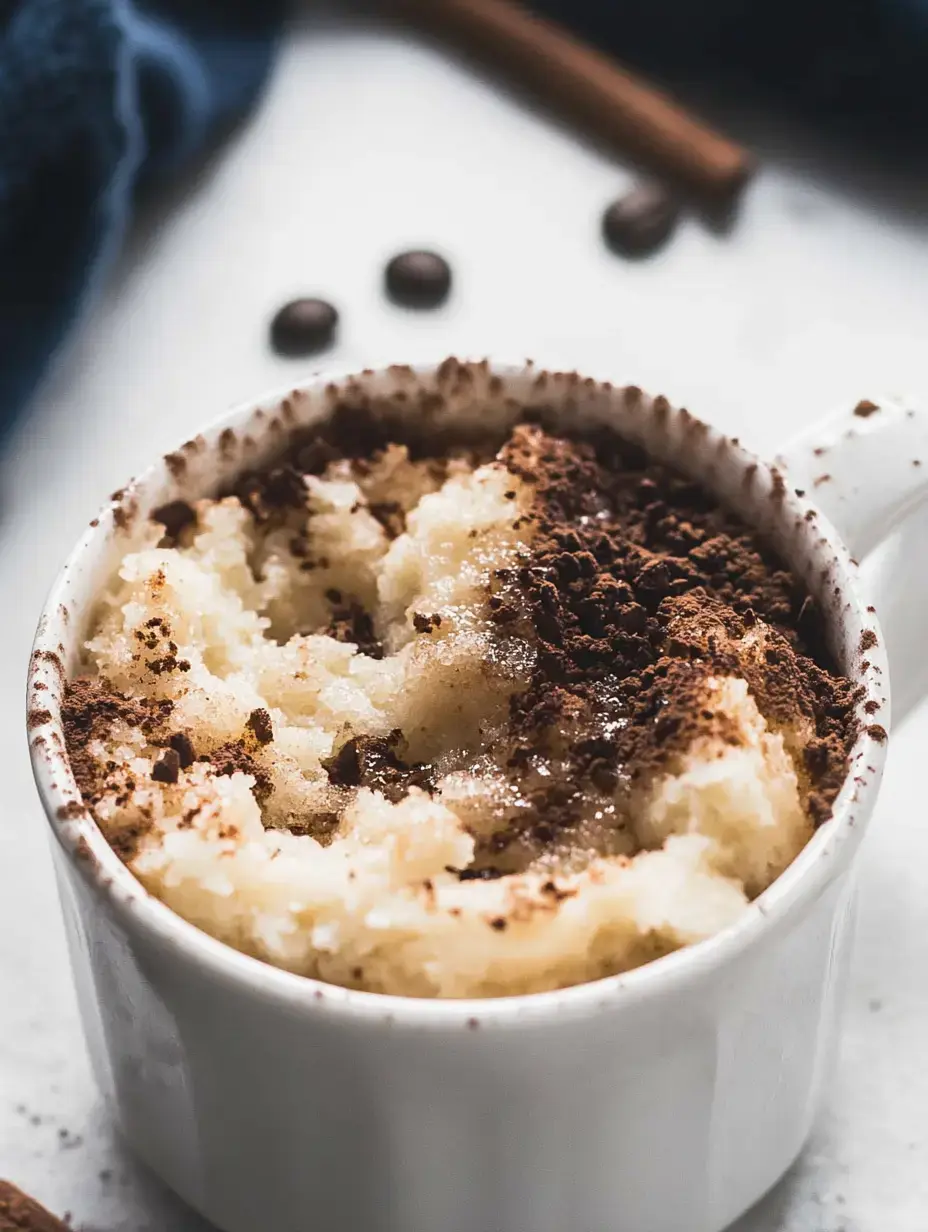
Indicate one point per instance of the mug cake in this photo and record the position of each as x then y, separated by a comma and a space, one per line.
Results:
465, 711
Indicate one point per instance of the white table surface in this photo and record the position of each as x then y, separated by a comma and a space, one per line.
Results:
366, 144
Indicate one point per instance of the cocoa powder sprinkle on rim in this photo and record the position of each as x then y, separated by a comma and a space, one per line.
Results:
425, 624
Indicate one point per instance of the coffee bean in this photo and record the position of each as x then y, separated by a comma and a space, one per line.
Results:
418, 279
303, 326
641, 221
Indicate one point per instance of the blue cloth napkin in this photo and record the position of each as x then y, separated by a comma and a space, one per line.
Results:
97, 96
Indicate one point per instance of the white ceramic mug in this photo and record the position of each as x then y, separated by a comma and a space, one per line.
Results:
667, 1099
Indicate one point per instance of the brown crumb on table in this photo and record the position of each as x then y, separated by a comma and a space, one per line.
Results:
20, 1213
865, 408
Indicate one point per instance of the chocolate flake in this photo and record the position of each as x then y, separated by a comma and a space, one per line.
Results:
374, 762
181, 743
234, 757
260, 725
167, 767
176, 517
425, 624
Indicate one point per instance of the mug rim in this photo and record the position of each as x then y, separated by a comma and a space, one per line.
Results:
827, 852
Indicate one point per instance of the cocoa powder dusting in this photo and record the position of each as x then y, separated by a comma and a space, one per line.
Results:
90, 709
357, 433
181, 743
235, 757
637, 587
639, 590
351, 623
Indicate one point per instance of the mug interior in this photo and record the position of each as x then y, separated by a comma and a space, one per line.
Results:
463, 397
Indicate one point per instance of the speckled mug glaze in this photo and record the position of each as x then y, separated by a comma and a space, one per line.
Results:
667, 1099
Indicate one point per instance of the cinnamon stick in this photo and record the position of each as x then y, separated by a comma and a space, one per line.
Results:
591, 89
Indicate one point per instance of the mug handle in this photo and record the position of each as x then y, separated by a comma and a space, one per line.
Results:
866, 468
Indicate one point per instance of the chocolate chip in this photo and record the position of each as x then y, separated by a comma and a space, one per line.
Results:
418, 279
303, 327
166, 767
175, 517
639, 222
